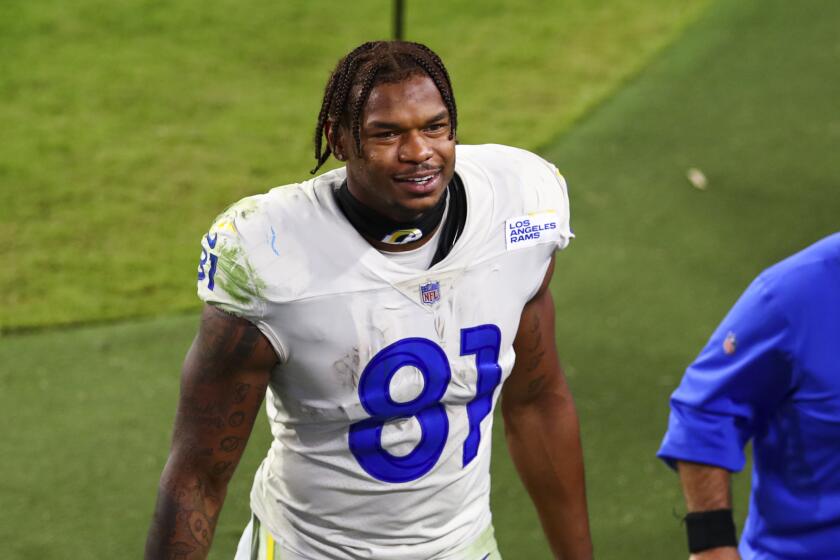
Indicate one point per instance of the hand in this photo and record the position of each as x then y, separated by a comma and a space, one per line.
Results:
719, 553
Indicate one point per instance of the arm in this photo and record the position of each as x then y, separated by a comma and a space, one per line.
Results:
739, 379
223, 381
541, 427
707, 488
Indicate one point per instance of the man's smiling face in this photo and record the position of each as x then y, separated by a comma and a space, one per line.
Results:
408, 157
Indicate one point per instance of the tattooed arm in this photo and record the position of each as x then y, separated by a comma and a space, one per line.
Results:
541, 427
223, 381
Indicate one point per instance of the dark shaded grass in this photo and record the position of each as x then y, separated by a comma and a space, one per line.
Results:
749, 96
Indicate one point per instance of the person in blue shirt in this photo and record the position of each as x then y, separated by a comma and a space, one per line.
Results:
771, 374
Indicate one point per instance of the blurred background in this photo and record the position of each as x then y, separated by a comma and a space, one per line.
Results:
699, 139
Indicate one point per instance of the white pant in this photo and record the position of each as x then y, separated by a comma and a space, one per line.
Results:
257, 543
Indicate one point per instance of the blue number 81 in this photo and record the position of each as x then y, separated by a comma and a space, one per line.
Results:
365, 437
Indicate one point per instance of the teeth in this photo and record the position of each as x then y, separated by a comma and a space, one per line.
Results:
419, 180
422, 179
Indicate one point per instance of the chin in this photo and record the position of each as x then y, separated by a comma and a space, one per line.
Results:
420, 204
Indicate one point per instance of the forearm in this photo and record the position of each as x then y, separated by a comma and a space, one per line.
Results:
544, 442
188, 506
707, 488
208, 443
194, 481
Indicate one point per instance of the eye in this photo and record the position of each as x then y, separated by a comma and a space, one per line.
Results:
437, 127
386, 134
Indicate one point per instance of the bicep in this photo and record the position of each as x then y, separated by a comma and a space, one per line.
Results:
537, 370
223, 382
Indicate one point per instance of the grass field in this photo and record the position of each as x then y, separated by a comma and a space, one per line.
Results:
135, 122
747, 94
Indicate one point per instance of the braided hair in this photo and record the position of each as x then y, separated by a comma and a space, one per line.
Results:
361, 70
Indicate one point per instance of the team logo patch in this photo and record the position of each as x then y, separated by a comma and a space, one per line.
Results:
403, 236
531, 229
430, 292
730, 343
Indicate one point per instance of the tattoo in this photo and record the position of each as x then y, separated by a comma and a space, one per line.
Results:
200, 528
535, 361
246, 344
231, 443
534, 331
236, 419
209, 415
240, 392
185, 518
227, 343
536, 351
180, 550
536, 385
221, 467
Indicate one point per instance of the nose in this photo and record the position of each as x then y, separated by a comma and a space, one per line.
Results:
415, 148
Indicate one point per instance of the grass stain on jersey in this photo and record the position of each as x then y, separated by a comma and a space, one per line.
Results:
238, 278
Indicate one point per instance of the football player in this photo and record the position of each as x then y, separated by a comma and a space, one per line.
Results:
381, 308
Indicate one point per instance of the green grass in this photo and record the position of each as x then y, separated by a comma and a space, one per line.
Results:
748, 95
93, 410
129, 125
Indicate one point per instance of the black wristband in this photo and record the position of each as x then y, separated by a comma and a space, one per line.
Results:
710, 529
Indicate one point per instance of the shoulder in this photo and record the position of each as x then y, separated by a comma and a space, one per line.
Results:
807, 281
516, 192
225, 270
252, 219
240, 246
516, 173
809, 261
497, 159
239, 218
519, 182
814, 266
277, 246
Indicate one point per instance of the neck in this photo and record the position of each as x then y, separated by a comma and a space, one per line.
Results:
388, 234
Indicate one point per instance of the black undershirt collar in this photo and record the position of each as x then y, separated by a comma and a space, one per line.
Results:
373, 225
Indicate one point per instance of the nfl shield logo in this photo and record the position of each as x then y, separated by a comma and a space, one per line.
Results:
430, 292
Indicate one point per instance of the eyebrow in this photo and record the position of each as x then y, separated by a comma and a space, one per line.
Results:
394, 126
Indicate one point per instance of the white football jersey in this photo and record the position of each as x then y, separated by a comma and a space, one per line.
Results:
381, 405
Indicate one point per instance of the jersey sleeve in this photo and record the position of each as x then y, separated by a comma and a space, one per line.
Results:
741, 375
555, 195
226, 275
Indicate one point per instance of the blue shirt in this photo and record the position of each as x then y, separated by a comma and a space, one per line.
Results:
771, 373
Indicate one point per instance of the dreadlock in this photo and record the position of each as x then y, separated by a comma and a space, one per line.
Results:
361, 70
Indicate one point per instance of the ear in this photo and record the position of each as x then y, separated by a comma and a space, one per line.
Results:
335, 139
